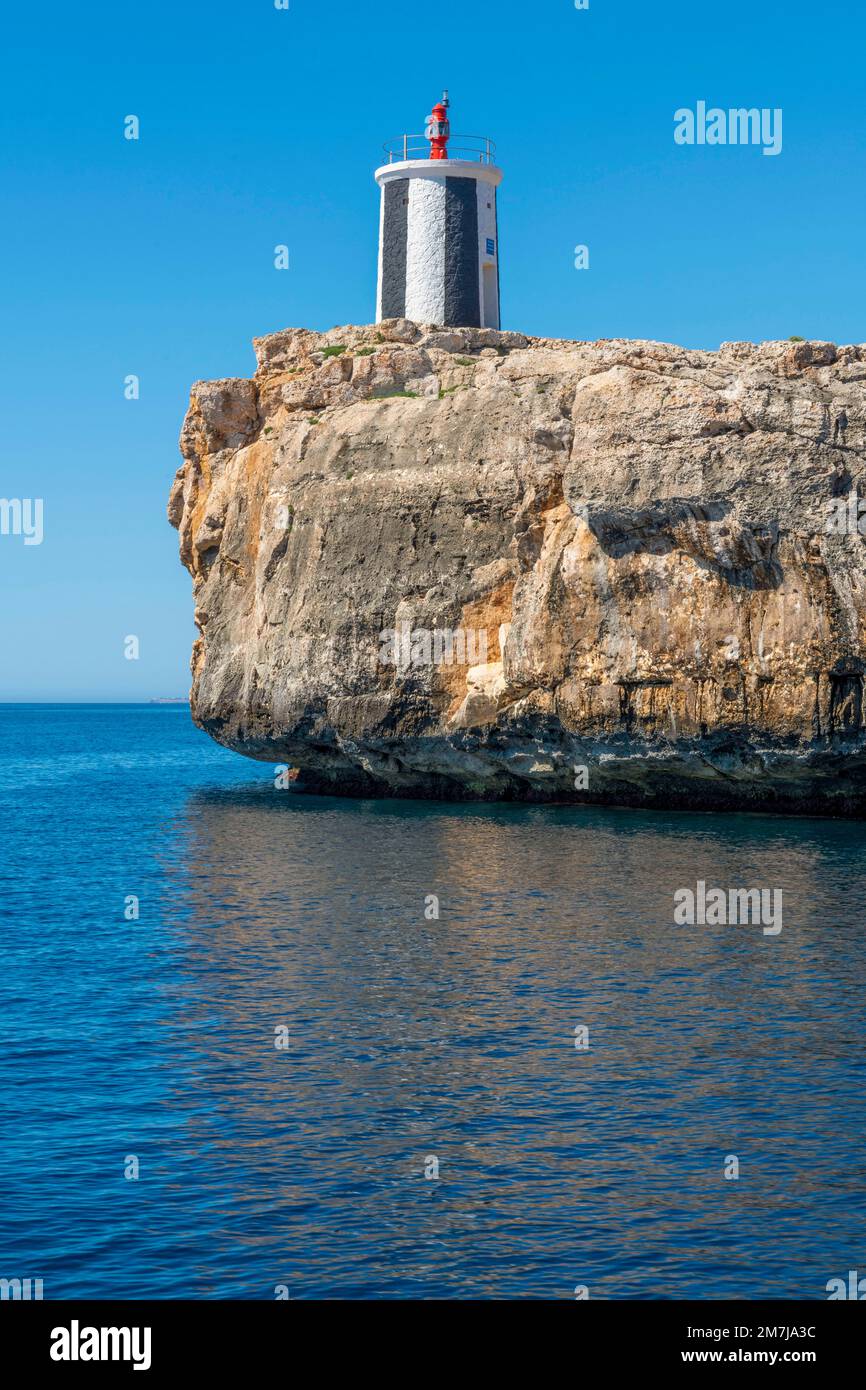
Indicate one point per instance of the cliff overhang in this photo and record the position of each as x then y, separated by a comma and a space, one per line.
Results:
471, 564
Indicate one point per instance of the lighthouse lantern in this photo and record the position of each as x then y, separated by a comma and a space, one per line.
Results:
438, 129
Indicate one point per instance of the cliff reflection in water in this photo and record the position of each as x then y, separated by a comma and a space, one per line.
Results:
454, 1039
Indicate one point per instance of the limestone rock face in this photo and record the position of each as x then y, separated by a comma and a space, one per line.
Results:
462, 563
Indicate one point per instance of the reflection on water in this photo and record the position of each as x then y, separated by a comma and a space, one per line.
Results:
451, 1038
455, 1038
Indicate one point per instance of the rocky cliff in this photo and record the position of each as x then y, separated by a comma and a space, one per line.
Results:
461, 563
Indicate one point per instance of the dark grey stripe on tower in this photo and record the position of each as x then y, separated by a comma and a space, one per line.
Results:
394, 235
462, 296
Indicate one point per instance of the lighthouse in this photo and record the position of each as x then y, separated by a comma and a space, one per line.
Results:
438, 230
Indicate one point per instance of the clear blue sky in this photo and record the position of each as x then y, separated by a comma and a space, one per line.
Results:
261, 126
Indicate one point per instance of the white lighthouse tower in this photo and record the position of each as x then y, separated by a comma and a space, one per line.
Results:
438, 231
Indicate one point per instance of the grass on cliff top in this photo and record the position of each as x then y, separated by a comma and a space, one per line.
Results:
334, 350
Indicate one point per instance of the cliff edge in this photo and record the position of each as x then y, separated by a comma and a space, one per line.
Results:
463, 563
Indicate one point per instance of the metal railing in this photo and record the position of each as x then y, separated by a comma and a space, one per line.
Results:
476, 148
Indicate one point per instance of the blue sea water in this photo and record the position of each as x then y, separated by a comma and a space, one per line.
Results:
410, 1039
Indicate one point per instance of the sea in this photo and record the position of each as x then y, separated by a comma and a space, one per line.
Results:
260, 1045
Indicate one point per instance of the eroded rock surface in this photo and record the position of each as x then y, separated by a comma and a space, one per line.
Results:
618, 556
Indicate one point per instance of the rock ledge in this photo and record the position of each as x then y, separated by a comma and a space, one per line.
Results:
467, 564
